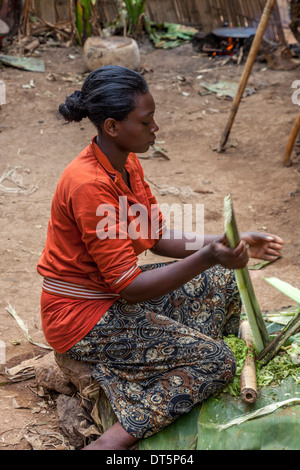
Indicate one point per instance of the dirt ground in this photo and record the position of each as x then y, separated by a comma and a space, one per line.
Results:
266, 196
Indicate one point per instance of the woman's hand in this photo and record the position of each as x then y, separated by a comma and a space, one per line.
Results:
264, 246
231, 258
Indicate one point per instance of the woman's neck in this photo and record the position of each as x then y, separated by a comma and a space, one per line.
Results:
116, 157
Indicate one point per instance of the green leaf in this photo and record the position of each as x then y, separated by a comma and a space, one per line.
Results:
260, 428
285, 288
272, 423
261, 265
82, 16
24, 63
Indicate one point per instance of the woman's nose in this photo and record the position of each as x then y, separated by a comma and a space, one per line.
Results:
155, 127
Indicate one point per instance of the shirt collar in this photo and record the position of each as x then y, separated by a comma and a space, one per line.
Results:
112, 172
102, 159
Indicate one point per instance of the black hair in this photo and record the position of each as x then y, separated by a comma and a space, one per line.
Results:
107, 92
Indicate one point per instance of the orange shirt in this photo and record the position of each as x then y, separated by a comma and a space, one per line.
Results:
97, 229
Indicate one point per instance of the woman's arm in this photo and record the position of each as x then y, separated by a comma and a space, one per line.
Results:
177, 244
160, 281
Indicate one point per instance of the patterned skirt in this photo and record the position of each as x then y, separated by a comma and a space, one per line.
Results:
155, 360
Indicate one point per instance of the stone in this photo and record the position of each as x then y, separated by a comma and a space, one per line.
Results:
112, 50
49, 375
77, 372
70, 415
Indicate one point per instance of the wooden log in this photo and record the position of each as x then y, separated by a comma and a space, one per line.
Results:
247, 70
248, 375
291, 141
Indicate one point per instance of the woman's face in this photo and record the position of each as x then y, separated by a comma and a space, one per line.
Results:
136, 133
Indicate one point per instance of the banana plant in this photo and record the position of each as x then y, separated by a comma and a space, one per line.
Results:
134, 11
83, 12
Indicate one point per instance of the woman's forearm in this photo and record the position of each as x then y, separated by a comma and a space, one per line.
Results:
155, 283
177, 244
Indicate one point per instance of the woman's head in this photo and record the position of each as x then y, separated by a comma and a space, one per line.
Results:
108, 92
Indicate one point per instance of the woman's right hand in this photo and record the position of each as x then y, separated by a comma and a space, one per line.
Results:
231, 258
154, 283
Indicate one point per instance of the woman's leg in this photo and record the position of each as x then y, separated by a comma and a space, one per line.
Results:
155, 367
210, 303
115, 438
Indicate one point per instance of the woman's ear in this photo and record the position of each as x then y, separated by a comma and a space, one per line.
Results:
110, 127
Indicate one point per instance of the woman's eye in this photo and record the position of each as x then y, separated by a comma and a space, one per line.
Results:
146, 123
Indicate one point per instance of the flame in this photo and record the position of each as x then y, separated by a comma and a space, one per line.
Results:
230, 44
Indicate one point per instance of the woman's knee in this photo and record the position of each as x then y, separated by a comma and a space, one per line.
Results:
219, 362
229, 363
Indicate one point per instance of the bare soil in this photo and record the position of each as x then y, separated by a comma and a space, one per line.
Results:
266, 195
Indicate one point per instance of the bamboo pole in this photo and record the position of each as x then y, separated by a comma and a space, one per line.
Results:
248, 375
291, 141
247, 70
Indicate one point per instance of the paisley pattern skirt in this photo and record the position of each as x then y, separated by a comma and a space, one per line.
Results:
155, 360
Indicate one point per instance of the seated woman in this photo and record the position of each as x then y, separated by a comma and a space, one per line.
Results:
153, 333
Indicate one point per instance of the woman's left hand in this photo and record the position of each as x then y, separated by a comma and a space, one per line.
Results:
263, 246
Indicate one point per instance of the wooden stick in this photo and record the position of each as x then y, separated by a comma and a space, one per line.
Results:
291, 141
30, 48
247, 70
248, 375
25, 13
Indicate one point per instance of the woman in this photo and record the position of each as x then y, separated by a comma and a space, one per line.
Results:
153, 333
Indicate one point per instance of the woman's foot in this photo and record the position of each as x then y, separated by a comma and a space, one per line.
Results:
115, 438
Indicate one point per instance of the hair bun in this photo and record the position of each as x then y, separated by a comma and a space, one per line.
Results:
73, 109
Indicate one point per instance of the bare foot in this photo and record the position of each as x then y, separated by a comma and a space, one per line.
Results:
115, 438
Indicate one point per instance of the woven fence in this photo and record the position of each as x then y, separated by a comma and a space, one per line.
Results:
204, 15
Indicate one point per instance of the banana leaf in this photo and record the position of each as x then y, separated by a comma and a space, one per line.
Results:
210, 426
277, 430
168, 35
24, 63
82, 16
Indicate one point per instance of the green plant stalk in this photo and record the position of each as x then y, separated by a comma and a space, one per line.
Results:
259, 333
275, 345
